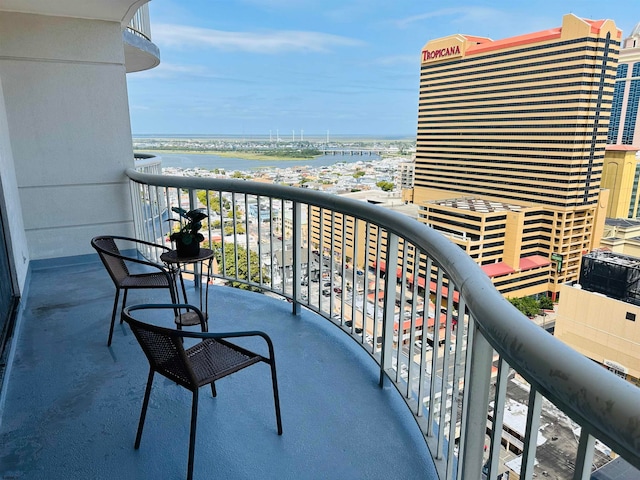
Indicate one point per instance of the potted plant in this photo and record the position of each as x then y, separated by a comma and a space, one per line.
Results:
188, 237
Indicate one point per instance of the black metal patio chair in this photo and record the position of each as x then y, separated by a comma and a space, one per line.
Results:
211, 359
117, 265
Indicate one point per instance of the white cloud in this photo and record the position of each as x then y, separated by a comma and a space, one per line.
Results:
266, 42
464, 14
169, 70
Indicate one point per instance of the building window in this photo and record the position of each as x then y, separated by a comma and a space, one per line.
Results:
631, 316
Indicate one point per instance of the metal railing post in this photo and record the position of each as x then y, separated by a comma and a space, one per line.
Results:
476, 397
386, 360
297, 246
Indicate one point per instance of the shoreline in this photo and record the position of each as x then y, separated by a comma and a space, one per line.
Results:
226, 154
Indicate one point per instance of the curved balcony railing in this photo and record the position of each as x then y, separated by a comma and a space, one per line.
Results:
140, 53
417, 303
140, 24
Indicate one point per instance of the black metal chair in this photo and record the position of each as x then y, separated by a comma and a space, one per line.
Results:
158, 276
211, 359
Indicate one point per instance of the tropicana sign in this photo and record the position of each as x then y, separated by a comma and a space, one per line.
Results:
439, 53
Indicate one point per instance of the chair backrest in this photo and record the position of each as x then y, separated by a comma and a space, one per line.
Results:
164, 349
111, 258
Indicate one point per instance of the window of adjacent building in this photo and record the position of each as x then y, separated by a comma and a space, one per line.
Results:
632, 106
631, 316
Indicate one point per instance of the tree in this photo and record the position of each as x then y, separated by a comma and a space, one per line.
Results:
358, 173
228, 229
545, 303
238, 252
385, 186
214, 201
527, 305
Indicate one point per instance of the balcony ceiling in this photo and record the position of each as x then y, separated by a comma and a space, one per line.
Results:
109, 10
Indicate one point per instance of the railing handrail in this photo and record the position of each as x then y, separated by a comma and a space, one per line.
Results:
607, 406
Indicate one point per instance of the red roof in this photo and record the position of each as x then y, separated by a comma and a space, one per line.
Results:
380, 295
535, 37
496, 269
406, 325
445, 290
622, 148
526, 39
534, 261
526, 263
383, 268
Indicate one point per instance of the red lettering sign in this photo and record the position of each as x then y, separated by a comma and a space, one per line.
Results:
440, 53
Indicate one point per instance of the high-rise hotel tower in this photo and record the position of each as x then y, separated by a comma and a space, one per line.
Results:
625, 122
510, 147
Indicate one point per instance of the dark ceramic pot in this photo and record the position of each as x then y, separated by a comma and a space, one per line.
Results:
187, 250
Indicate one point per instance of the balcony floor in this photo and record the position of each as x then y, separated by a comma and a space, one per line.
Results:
72, 404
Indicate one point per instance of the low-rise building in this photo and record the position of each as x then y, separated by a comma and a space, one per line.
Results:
600, 316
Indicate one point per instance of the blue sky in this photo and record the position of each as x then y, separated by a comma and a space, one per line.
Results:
349, 67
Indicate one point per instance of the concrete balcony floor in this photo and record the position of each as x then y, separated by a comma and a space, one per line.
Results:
72, 403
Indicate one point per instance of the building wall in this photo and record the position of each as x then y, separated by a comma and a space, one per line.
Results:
623, 239
521, 120
625, 124
621, 179
599, 328
65, 98
10, 206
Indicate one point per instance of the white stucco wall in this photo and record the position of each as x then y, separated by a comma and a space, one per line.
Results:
64, 91
10, 205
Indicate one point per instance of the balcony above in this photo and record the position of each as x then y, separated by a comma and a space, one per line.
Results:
72, 403
139, 53
109, 10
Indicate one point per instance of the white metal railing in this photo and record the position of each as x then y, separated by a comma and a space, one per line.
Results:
139, 24
378, 273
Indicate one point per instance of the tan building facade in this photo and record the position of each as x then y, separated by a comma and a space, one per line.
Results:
620, 176
602, 328
622, 235
521, 121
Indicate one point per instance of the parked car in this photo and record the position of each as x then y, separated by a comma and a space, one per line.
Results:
327, 284
338, 290
326, 292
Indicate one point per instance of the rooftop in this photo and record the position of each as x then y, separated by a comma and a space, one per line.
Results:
622, 222
478, 205
614, 258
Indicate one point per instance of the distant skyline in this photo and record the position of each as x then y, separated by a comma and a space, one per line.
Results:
349, 67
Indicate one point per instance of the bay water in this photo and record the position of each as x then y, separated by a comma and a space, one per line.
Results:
211, 162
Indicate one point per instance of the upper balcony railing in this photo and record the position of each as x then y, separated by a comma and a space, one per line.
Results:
416, 303
140, 24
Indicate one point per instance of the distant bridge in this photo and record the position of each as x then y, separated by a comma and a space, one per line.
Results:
350, 151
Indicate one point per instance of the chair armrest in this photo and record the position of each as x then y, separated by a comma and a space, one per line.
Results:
142, 242
192, 334
128, 258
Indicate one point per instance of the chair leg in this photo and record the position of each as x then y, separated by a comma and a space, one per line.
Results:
113, 316
124, 302
143, 412
276, 396
192, 435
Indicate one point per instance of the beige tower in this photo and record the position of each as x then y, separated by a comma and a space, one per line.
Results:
517, 128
